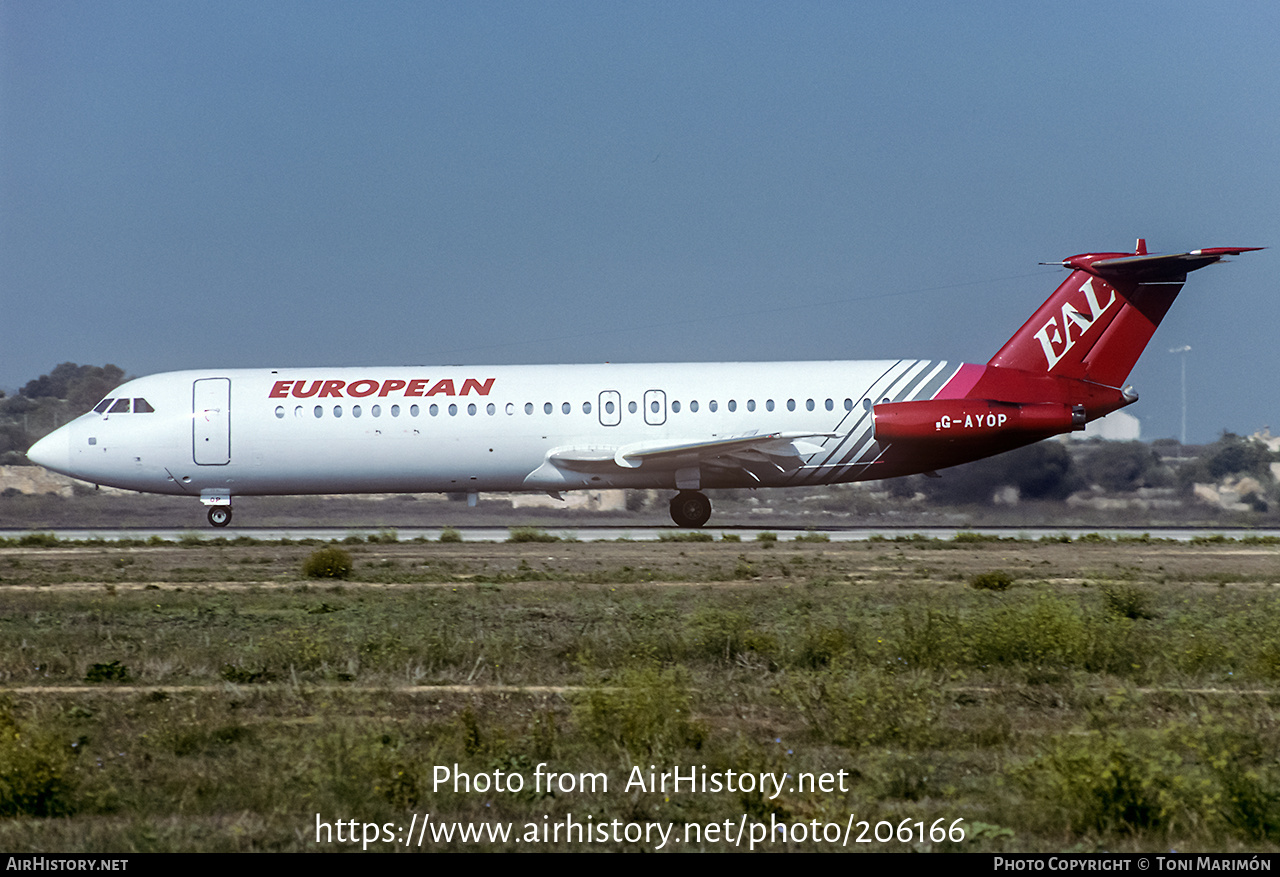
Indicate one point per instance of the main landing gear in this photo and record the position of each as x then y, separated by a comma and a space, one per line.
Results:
690, 509
219, 515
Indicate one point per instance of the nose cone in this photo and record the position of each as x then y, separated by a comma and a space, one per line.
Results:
53, 451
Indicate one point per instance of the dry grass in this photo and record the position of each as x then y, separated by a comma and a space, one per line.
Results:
256, 699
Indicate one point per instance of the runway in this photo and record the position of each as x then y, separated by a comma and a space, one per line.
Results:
635, 534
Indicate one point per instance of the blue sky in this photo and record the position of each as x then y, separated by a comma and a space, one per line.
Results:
283, 184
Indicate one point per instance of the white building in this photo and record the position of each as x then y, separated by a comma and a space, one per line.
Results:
1118, 426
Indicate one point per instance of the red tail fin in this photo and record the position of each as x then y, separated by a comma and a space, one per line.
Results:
1097, 323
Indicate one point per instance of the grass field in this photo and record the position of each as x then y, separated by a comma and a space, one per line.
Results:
1053, 696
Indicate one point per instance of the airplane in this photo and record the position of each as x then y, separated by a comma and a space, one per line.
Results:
218, 434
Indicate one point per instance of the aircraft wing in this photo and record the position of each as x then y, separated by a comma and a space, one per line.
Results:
783, 450
773, 444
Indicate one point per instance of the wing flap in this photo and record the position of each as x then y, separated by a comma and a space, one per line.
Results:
773, 444
784, 450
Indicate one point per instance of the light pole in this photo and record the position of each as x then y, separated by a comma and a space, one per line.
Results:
1184, 349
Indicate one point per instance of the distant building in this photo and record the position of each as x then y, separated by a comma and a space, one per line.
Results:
1265, 437
1118, 426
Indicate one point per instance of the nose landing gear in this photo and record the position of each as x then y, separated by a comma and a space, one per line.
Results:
689, 508
220, 515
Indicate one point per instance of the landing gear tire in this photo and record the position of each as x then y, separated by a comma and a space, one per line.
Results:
219, 515
690, 509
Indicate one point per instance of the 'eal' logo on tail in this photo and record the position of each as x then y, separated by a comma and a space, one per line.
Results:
1057, 337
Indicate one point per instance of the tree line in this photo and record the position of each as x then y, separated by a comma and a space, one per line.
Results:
49, 401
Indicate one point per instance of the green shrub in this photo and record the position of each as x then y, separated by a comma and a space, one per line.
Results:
242, 676
766, 536
644, 712
1127, 601
531, 534
1124, 782
730, 537
113, 672
450, 534
813, 537
868, 707
681, 536
1048, 630
996, 580
36, 772
327, 563
1266, 662
821, 646
719, 633
968, 537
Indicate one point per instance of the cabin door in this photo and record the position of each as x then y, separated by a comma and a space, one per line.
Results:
211, 421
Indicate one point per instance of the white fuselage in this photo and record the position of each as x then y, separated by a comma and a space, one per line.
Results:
466, 429
689, 426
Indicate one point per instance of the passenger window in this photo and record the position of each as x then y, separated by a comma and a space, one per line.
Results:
751, 404
298, 412
433, 409
631, 406
712, 405
546, 408
586, 407
413, 410
566, 407
395, 410
280, 412
337, 410
121, 407
471, 409
808, 405
791, 404
608, 407
102, 406
830, 405
355, 410
453, 410
733, 404
319, 411
142, 406
675, 407
376, 410
693, 406
490, 409
528, 408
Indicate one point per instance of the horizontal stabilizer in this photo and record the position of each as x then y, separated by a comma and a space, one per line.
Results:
1145, 268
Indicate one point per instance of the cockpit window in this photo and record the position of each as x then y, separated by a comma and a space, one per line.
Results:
142, 406
121, 407
102, 406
